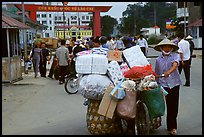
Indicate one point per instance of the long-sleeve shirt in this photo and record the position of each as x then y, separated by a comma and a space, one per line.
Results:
142, 43
163, 64
62, 54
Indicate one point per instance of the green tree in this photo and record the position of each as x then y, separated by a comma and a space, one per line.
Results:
138, 16
107, 24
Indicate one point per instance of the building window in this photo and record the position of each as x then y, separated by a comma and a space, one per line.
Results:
55, 17
50, 28
73, 17
73, 22
196, 3
200, 31
44, 16
87, 17
44, 22
50, 22
59, 18
38, 15
83, 17
46, 34
50, 15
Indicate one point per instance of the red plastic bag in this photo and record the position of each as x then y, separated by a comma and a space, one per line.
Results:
139, 72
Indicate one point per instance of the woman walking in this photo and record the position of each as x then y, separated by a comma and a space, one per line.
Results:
35, 57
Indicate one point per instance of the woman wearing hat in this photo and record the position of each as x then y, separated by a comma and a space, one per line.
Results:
167, 65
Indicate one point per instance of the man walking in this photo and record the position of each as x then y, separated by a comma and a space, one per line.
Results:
44, 57
143, 44
192, 46
184, 51
62, 54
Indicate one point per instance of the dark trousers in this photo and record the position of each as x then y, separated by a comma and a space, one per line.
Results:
143, 50
51, 72
172, 104
63, 73
186, 68
42, 68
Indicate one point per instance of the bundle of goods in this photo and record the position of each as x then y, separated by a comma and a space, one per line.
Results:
91, 64
154, 101
124, 67
93, 86
114, 72
100, 125
147, 83
135, 57
84, 52
137, 72
100, 50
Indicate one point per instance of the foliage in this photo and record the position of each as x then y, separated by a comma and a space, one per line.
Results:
107, 24
153, 39
138, 16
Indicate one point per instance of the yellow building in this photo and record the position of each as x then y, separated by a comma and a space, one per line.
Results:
73, 31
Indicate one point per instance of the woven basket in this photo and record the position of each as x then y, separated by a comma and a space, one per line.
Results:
101, 125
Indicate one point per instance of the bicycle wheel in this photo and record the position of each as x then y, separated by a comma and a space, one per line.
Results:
71, 85
142, 120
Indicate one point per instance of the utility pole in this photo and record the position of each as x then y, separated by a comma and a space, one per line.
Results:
63, 19
184, 19
154, 19
135, 26
24, 42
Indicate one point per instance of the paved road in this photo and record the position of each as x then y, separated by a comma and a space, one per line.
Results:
41, 107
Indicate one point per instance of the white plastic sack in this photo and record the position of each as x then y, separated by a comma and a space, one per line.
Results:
114, 72
135, 57
93, 86
91, 64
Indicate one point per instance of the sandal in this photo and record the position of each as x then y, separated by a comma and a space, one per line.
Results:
173, 132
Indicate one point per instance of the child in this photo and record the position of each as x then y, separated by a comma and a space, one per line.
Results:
167, 64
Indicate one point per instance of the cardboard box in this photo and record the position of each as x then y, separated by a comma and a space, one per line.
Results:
108, 105
115, 55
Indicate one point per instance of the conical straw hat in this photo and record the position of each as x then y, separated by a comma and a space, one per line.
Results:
189, 37
166, 42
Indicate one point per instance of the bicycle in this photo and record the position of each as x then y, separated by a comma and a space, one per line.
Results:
142, 121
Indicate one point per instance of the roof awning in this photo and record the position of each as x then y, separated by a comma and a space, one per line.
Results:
196, 23
8, 22
155, 27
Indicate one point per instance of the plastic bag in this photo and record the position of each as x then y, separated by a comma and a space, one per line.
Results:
126, 108
118, 92
139, 72
154, 100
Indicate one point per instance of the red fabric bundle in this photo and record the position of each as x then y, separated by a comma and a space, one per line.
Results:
139, 72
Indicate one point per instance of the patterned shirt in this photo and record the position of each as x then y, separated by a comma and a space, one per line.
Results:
163, 64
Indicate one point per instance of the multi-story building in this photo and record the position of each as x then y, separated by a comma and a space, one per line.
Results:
73, 24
